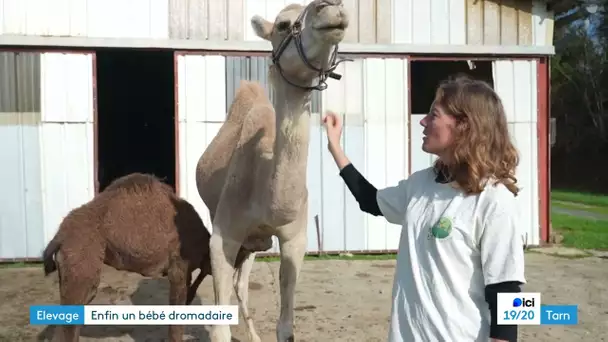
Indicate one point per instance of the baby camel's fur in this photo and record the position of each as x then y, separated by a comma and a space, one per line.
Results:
137, 224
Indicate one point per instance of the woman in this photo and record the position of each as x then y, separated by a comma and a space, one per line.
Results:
460, 241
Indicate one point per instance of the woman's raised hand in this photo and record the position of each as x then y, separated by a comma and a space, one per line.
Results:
333, 125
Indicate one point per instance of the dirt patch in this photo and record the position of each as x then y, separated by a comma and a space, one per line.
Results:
362, 275
333, 302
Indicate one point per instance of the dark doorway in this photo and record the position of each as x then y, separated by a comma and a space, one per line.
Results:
426, 76
135, 114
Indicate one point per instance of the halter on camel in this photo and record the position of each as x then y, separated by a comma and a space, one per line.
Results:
295, 34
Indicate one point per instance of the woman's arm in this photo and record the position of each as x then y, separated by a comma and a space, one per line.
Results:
500, 333
364, 192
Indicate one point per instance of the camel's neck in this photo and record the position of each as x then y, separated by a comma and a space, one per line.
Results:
288, 180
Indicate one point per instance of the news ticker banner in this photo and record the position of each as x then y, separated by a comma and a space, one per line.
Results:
134, 315
513, 309
525, 308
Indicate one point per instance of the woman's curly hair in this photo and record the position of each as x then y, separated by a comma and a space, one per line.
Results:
482, 149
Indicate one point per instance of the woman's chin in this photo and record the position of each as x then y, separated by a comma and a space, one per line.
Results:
425, 145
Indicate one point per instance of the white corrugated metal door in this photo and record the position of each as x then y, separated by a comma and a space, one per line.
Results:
515, 82
66, 135
373, 97
201, 88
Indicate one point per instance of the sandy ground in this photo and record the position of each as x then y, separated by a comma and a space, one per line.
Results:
336, 301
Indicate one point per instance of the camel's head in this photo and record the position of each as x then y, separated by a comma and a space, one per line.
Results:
304, 38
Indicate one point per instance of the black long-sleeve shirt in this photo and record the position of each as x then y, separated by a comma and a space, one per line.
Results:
365, 194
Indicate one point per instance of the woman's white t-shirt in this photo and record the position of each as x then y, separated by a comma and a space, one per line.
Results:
451, 247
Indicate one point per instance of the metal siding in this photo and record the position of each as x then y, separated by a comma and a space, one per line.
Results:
20, 200
331, 212
28, 84
201, 112
455, 22
314, 183
428, 22
20, 82
67, 87
8, 83
251, 68
90, 18
355, 233
396, 133
459, 22
67, 135
375, 168
373, 98
207, 19
516, 84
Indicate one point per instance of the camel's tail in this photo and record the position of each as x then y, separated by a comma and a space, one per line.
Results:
49, 254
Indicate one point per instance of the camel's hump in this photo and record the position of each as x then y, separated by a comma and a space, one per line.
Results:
247, 95
250, 88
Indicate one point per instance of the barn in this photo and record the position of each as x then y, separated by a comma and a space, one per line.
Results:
94, 89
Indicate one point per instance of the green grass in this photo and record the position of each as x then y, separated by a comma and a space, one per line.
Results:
21, 265
585, 199
581, 233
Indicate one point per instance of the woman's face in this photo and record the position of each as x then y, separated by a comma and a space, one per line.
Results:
438, 131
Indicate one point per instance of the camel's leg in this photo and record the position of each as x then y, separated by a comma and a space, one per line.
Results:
224, 245
178, 288
292, 242
78, 282
241, 286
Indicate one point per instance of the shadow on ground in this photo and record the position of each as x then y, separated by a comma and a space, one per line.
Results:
147, 290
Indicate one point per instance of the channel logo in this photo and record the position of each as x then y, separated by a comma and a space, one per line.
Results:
523, 303
518, 308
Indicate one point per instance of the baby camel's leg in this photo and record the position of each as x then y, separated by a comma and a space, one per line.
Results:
178, 289
241, 287
78, 282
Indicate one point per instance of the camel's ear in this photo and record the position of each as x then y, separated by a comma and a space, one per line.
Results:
261, 27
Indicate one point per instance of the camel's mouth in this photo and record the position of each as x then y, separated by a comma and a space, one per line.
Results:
331, 27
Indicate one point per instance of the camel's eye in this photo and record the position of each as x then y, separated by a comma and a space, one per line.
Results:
283, 25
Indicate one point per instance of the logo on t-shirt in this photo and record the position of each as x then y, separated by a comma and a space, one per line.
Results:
441, 229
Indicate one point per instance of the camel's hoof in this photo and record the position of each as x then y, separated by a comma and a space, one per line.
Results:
290, 339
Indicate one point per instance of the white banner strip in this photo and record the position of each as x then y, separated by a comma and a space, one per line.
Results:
161, 315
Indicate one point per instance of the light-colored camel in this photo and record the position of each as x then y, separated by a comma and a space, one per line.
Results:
252, 176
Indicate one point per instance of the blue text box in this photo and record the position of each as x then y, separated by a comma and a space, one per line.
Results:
56, 315
558, 314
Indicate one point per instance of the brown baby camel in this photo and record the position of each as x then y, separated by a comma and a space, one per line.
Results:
137, 224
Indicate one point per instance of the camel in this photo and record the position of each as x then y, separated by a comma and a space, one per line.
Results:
252, 176
136, 224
